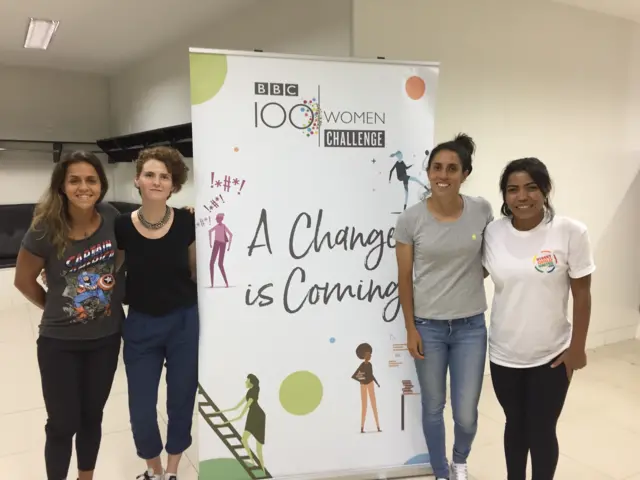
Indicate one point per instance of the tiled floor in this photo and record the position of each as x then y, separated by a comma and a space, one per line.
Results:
599, 431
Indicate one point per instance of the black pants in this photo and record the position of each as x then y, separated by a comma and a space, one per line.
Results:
77, 376
532, 400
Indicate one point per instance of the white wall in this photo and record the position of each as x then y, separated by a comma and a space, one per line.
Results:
537, 79
39, 104
523, 78
633, 125
155, 93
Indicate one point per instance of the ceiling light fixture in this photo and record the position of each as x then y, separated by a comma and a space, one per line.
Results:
40, 33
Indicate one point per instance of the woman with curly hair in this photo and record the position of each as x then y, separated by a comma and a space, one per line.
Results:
162, 326
364, 375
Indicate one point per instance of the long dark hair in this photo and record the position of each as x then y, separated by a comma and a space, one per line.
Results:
462, 145
255, 385
538, 172
51, 215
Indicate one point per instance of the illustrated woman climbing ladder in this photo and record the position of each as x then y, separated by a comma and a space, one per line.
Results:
364, 375
256, 418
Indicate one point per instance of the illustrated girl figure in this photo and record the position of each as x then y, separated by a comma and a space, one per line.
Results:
364, 375
220, 242
256, 418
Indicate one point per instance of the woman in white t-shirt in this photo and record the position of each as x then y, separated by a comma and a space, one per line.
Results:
535, 258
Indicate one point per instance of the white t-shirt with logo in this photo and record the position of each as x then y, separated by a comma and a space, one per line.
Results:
531, 272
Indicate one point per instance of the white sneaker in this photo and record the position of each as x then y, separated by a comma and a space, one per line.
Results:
150, 475
459, 471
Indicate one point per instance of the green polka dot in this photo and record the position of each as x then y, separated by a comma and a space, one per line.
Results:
226, 468
301, 393
222, 468
208, 72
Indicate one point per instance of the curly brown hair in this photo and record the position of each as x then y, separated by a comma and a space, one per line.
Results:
363, 349
171, 158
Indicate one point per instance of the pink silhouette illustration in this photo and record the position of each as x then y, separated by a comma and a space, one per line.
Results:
220, 241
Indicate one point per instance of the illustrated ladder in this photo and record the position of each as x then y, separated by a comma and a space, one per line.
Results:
232, 440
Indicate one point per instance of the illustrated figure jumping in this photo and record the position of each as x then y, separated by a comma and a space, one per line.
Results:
401, 173
220, 242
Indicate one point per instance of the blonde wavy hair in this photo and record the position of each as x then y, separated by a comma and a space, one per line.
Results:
51, 215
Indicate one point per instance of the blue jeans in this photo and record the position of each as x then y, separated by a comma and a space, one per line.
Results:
149, 342
461, 346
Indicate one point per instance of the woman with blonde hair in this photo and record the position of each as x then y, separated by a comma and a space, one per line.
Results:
72, 238
162, 326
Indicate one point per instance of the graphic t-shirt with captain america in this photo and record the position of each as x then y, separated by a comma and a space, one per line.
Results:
84, 296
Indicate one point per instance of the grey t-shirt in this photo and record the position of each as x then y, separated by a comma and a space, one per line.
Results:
447, 259
84, 293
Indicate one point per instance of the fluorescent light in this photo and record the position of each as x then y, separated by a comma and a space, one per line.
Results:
40, 33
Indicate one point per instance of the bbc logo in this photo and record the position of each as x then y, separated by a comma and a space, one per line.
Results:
276, 89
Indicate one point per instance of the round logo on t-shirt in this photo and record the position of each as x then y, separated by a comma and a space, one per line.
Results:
106, 282
545, 261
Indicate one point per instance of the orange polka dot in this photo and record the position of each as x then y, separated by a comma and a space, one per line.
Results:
415, 87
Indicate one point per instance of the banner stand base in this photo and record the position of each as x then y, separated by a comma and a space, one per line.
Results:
406, 471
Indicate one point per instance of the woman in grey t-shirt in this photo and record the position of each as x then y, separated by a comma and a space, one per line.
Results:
72, 238
441, 287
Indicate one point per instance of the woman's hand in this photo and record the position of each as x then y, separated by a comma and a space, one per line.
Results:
573, 359
414, 343
191, 210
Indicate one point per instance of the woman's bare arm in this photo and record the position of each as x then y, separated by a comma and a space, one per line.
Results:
404, 256
120, 256
28, 267
193, 261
